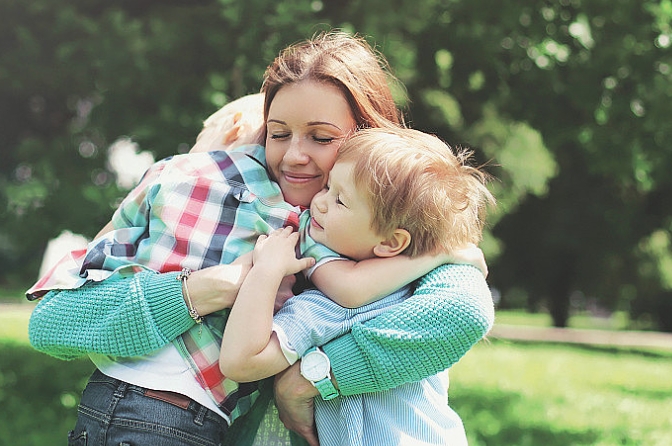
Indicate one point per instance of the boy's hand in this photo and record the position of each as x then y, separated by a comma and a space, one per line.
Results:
277, 252
470, 254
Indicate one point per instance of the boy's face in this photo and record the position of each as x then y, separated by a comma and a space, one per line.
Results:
341, 216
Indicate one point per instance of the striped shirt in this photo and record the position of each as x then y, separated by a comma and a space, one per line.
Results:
415, 413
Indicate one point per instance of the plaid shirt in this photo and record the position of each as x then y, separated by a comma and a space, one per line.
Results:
195, 211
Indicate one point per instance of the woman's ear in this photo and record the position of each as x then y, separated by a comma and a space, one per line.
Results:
394, 245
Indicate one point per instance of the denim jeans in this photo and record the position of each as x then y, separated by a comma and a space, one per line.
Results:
113, 412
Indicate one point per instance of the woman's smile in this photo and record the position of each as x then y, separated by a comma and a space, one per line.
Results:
300, 178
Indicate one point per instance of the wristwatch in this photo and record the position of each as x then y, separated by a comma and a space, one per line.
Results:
316, 368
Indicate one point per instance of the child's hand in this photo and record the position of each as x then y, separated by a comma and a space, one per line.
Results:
284, 292
277, 252
470, 254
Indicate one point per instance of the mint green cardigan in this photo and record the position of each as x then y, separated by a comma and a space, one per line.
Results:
450, 311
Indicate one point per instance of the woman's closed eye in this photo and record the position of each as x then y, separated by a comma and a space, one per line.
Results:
324, 140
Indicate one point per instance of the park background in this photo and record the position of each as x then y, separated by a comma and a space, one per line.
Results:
566, 103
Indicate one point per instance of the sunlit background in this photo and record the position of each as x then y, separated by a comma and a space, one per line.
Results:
566, 103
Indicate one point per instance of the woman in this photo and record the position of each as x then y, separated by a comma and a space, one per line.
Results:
315, 94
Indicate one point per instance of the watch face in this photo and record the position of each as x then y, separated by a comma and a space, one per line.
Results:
315, 366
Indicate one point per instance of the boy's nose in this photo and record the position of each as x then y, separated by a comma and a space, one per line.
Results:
319, 201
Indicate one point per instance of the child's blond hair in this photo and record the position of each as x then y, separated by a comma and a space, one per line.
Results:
416, 182
237, 123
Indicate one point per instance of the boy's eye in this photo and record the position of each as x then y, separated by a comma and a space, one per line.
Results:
338, 201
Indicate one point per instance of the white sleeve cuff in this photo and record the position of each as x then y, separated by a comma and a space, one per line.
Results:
290, 354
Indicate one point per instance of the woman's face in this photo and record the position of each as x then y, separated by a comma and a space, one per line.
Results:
307, 122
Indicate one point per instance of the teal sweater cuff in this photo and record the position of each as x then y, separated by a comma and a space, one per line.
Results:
349, 366
163, 294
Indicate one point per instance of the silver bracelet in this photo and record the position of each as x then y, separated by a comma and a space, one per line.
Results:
182, 277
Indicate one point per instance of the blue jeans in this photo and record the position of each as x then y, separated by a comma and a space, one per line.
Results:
113, 412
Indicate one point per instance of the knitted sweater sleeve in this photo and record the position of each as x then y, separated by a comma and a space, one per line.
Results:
126, 317
450, 311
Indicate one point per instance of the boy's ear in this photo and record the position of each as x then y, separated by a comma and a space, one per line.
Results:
231, 135
394, 245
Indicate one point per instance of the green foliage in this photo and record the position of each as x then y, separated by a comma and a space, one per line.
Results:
566, 102
39, 395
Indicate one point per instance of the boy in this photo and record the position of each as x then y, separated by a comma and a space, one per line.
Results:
390, 192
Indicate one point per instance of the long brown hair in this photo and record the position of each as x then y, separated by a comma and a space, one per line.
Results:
343, 60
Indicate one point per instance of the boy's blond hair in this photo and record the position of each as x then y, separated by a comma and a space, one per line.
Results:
416, 182
237, 123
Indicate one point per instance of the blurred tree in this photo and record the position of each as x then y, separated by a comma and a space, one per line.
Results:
594, 79
569, 102
76, 76
566, 102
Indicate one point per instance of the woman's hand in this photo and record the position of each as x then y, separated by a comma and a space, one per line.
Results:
215, 288
294, 398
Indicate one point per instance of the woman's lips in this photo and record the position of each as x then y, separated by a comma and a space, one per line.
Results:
298, 178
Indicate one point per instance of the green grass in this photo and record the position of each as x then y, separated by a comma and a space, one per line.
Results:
38, 395
617, 321
14, 324
540, 394
508, 394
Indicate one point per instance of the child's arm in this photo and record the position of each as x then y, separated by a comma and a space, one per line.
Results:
353, 284
250, 351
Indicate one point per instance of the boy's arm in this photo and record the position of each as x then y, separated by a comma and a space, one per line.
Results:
353, 284
250, 350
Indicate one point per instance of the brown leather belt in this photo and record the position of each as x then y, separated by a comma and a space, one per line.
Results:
173, 398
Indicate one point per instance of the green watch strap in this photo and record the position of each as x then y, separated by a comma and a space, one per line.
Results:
326, 389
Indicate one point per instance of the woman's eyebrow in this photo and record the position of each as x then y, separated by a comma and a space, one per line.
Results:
311, 123
277, 121
324, 123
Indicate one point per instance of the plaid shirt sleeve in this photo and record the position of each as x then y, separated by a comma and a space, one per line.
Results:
72, 270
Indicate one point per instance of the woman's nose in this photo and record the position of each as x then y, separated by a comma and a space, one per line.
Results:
295, 153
